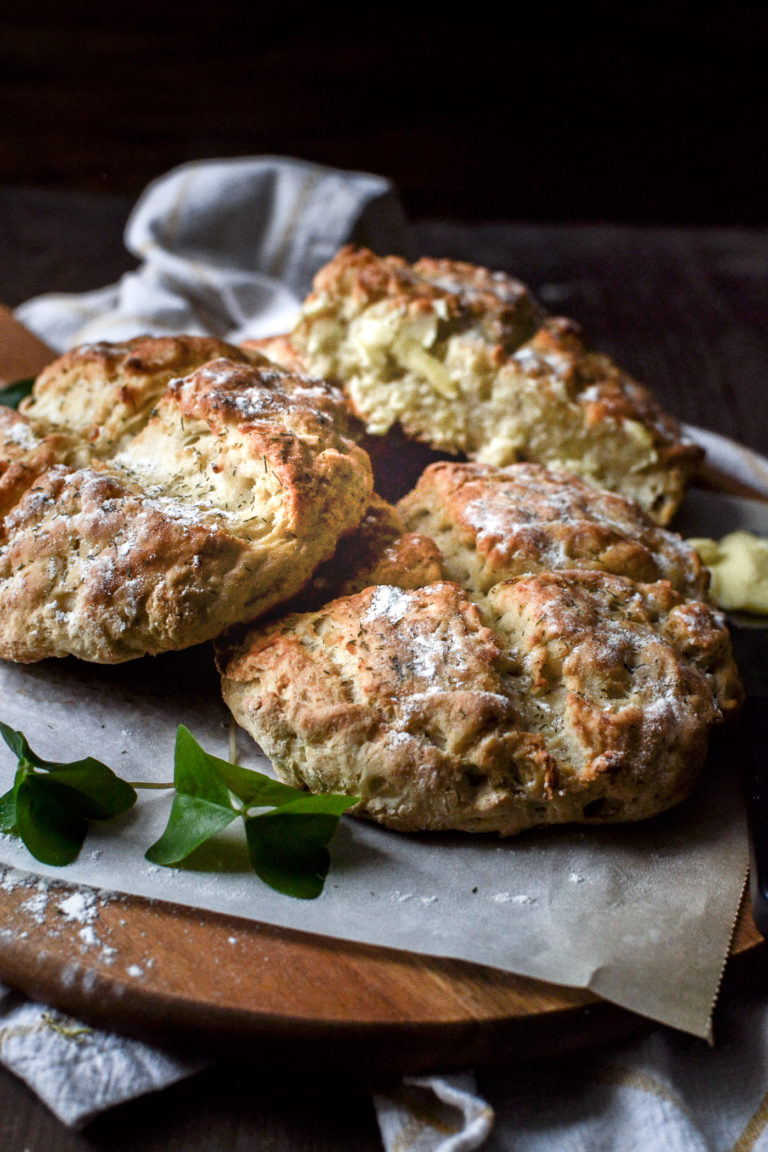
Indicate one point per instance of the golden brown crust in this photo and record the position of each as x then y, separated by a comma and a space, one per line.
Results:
582, 697
581, 684
495, 523
612, 402
462, 359
237, 484
496, 307
106, 391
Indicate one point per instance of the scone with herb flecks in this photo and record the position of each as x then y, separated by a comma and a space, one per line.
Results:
142, 514
575, 696
492, 524
463, 359
570, 668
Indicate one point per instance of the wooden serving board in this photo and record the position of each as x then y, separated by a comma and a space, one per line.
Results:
162, 970
165, 971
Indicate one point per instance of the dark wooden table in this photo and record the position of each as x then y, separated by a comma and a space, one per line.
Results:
686, 311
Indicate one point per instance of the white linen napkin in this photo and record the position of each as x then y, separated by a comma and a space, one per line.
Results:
229, 247
666, 1093
79, 1071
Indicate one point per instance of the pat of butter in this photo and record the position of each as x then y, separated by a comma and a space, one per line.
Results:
739, 567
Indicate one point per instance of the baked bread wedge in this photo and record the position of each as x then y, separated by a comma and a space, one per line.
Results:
463, 359
575, 696
142, 511
492, 524
571, 667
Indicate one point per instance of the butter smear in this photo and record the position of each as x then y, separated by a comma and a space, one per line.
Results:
739, 566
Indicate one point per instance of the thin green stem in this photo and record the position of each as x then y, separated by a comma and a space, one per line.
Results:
145, 784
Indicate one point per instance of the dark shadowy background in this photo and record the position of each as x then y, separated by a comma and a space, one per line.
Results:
633, 112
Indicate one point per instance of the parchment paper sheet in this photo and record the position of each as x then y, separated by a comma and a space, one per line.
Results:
641, 914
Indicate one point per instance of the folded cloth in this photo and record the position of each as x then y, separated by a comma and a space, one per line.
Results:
228, 249
663, 1093
666, 1093
78, 1071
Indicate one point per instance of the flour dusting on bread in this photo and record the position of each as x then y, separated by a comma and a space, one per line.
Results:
206, 499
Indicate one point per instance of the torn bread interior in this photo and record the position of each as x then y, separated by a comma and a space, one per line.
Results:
464, 360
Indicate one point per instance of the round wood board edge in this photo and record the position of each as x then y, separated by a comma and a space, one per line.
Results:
165, 971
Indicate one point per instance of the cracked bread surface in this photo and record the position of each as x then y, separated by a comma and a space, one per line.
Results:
463, 359
143, 510
495, 523
576, 696
106, 391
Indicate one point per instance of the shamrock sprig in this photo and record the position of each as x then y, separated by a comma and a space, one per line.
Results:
286, 830
51, 803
